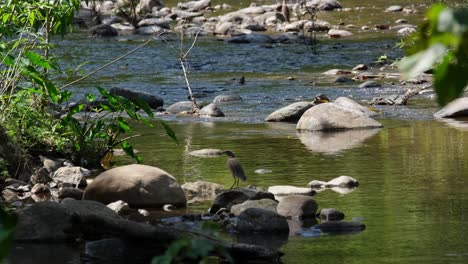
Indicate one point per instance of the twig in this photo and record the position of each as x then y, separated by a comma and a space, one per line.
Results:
194, 42
111, 62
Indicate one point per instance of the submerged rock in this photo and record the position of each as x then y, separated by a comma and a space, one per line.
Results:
206, 153
331, 214
336, 227
394, 99
263, 171
343, 79
456, 108
251, 38
342, 181
297, 206
227, 98
138, 185
394, 8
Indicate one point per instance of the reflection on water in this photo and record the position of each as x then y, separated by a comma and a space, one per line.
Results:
460, 123
334, 142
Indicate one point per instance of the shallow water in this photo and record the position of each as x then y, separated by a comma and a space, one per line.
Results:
412, 195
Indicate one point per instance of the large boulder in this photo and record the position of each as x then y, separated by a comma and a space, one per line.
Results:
350, 103
291, 113
152, 100
300, 206
331, 116
54, 222
138, 185
267, 204
44, 222
456, 108
259, 220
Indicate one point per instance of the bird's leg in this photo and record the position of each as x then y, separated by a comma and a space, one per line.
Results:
237, 185
233, 183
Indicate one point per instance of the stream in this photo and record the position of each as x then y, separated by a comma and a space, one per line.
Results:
412, 195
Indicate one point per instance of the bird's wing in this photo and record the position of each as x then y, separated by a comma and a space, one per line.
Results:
236, 169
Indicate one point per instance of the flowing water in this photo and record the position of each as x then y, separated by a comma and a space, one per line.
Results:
412, 195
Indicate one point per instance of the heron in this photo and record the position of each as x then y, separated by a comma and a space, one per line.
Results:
235, 167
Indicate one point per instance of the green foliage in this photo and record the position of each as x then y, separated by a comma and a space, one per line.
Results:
442, 41
4, 168
7, 225
194, 250
31, 127
23, 15
101, 126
